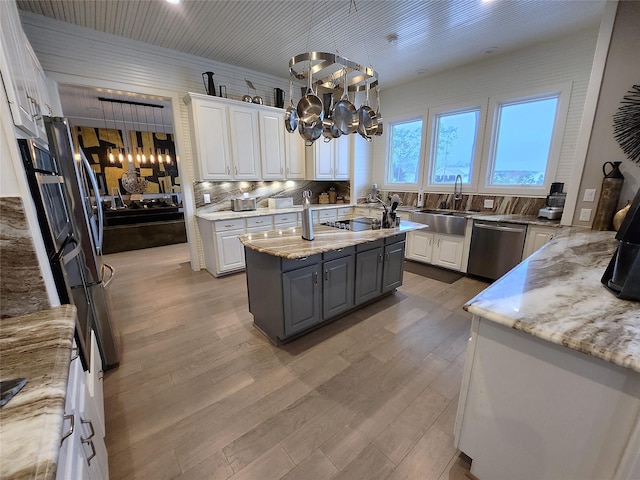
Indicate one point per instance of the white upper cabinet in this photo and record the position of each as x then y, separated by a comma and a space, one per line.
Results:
272, 145
295, 155
22, 75
209, 138
245, 142
241, 141
329, 160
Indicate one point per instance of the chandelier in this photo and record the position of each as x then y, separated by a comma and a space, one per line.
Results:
127, 153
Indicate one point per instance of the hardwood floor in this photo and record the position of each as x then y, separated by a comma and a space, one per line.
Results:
201, 394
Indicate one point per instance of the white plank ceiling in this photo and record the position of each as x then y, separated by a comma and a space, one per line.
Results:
263, 35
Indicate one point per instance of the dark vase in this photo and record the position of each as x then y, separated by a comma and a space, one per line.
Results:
609, 196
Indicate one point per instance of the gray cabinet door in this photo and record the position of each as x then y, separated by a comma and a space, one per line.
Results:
368, 275
337, 291
301, 291
393, 266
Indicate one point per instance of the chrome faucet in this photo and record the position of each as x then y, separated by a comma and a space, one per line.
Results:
457, 193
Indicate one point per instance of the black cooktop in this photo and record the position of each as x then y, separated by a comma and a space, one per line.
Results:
355, 224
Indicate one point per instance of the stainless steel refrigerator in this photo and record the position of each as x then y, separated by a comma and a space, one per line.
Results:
86, 215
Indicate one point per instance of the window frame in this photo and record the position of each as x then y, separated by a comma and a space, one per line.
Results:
434, 112
405, 186
563, 93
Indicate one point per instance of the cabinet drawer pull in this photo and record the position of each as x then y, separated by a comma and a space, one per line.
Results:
316, 275
93, 451
82, 420
326, 274
228, 226
72, 423
380, 258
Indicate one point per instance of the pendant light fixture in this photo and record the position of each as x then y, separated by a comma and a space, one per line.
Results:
167, 157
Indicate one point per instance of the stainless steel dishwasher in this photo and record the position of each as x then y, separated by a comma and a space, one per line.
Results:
496, 247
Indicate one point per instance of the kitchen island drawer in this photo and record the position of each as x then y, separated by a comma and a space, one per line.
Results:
293, 263
232, 224
340, 252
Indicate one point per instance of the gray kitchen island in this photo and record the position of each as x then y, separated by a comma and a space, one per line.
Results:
295, 285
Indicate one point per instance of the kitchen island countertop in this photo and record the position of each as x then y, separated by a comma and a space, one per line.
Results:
37, 347
556, 295
288, 243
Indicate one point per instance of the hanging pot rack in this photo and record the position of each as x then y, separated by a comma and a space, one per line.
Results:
328, 68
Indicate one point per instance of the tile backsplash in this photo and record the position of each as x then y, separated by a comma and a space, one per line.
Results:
502, 205
221, 193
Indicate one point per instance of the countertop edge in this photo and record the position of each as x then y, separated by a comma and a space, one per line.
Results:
605, 354
34, 417
296, 247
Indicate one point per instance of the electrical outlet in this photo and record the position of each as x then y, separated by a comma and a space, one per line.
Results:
589, 195
207, 198
488, 203
585, 214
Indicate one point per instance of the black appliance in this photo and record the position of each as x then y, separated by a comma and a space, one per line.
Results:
65, 256
71, 223
622, 276
355, 225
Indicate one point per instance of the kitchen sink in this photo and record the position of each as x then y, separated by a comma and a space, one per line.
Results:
441, 221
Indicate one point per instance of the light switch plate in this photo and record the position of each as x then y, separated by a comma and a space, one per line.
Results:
589, 195
488, 203
207, 198
585, 214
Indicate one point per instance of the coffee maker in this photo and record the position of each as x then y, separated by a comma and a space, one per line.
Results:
622, 276
555, 202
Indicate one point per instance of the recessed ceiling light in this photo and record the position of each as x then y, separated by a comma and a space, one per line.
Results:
421, 71
490, 50
392, 39
174, 1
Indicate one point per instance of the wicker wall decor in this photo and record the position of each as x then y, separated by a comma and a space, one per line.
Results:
626, 124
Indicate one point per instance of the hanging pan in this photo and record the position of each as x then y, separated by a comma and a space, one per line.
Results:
345, 115
310, 109
310, 132
380, 128
291, 115
329, 129
367, 121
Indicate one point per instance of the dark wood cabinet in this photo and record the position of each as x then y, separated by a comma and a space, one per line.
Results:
337, 291
301, 296
289, 297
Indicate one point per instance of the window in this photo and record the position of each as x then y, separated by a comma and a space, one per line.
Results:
522, 140
453, 145
405, 141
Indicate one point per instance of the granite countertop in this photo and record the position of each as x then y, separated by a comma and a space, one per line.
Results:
512, 218
288, 243
556, 295
37, 347
515, 218
230, 214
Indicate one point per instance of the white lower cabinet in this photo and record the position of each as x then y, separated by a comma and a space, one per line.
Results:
537, 236
419, 246
229, 251
447, 251
83, 453
436, 248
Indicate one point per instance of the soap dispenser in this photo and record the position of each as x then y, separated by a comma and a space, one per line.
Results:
307, 216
